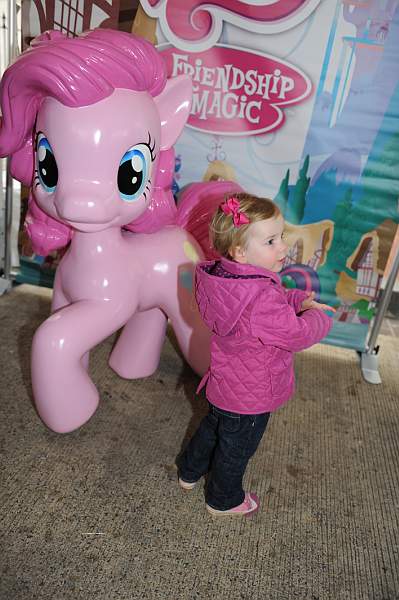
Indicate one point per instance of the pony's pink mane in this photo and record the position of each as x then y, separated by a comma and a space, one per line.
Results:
76, 72
46, 234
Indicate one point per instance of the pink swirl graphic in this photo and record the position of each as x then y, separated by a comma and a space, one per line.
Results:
194, 20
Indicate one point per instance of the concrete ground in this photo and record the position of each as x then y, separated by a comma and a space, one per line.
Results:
97, 514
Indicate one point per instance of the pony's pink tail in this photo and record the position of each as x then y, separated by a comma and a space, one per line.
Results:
196, 207
45, 233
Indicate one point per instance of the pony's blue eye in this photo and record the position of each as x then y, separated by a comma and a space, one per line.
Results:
134, 172
47, 169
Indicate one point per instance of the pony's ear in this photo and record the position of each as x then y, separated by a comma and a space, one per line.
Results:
174, 104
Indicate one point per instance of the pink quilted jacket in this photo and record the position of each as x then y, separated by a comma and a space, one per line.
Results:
256, 327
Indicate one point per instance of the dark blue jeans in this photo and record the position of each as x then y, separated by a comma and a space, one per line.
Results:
222, 446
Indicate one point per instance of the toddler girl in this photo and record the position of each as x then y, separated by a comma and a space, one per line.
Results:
256, 327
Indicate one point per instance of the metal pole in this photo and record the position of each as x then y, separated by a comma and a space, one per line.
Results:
8, 223
12, 30
11, 54
383, 305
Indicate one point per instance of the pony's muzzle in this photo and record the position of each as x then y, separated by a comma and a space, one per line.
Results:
83, 210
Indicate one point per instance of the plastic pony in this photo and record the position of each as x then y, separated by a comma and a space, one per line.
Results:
89, 124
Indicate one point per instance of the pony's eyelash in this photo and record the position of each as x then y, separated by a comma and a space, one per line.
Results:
151, 147
147, 188
36, 138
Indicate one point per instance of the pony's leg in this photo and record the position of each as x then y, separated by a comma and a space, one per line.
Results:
64, 394
137, 351
59, 300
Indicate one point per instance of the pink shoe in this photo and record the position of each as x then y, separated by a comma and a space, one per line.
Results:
246, 508
187, 485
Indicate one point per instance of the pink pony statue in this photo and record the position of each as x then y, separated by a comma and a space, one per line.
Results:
89, 123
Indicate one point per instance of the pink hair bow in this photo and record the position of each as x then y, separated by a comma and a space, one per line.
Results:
231, 207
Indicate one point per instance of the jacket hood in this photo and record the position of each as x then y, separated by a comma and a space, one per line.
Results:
224, 289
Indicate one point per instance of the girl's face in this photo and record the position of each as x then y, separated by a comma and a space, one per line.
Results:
265, 247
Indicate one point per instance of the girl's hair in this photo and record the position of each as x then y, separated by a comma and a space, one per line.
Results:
75, 71
225, 236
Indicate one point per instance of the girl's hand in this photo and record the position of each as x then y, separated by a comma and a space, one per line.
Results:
310, 302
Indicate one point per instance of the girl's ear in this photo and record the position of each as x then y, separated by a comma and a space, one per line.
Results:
174, 104
238, 254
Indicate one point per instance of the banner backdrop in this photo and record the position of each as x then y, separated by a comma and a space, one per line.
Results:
299, 101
